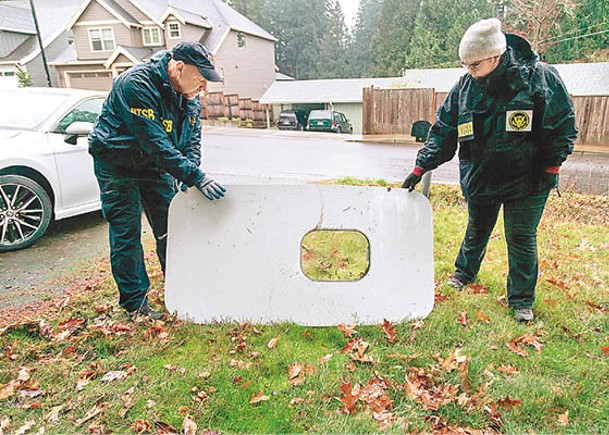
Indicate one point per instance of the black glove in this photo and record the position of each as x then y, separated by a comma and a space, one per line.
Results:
210, 188
411, 180
547, 181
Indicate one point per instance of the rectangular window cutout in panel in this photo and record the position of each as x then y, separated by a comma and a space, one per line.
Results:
335, 255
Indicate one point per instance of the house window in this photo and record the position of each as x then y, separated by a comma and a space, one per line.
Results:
8, 73
101, 39
240, 39
152, 36
174, 31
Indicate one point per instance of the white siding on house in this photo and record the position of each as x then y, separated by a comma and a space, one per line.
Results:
123, 35
9, 41
135, 12
353, 112
189, 33
8, 77
95, 80
36, 67
248, 71
96, 12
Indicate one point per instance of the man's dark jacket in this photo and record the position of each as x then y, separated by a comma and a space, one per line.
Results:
503, 150
148, 125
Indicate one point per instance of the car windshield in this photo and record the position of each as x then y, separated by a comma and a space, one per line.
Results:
25, 110
287, 115
320, 114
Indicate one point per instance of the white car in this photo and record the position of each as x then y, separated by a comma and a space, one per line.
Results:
46, 171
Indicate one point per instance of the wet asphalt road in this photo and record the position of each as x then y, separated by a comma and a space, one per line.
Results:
237, 156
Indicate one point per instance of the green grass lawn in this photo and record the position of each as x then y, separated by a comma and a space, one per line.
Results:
467, 368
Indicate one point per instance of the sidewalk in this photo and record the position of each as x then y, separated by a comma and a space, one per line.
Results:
409, 140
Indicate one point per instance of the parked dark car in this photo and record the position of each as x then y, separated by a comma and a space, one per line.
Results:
329, 120
292, 120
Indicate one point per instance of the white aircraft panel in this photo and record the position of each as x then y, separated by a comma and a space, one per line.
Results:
239, 258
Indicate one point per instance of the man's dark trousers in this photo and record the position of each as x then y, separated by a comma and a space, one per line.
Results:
125, 193
521, 218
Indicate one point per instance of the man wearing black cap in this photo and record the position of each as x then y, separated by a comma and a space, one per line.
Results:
147, 136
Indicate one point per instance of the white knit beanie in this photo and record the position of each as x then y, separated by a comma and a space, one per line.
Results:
482, 40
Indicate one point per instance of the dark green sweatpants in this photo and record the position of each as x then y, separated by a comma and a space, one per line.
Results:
521, 218
123, 198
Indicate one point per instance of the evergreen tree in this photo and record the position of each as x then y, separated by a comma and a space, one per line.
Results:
360, 49
391, 41
257, 11
333, 59
581, 36
299, 26
439, 27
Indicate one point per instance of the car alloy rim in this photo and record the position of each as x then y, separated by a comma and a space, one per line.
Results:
21, 213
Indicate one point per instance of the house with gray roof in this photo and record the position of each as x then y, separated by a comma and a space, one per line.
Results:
110, 36
89, 42
345, 95
19, 48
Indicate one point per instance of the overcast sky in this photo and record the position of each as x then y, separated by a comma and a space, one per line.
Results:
350, 10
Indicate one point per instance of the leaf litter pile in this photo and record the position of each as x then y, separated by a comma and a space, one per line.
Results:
78, 365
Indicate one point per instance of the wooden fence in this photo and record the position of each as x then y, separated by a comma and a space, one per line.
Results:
592, 119
217, 105
392, 112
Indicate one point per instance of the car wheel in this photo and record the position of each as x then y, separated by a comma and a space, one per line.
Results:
25, 212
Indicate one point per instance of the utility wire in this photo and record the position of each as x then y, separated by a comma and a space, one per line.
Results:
581, 36
574, 31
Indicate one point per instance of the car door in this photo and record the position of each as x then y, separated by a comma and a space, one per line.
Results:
78, 185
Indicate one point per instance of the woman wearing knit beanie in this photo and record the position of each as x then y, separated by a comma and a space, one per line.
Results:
512, 121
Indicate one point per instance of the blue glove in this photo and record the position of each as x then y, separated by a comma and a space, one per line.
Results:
210, 188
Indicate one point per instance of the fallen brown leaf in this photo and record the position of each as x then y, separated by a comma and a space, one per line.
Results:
258, 397
112, 376
163, 428
462, 318
347, 330
563, 419
508, 370
91, 413
478, 289
531, 340
25, 428
189, 427
272, 343
517, 350
389, 330
53, 415
295, 401
482, 317
348, 398
508, 403
324, 359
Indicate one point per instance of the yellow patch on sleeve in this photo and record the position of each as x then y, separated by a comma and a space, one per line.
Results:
466, 129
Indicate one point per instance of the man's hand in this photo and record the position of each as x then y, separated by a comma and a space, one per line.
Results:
411, 181
210, 188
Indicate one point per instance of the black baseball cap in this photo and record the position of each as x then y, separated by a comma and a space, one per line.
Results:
195, 53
